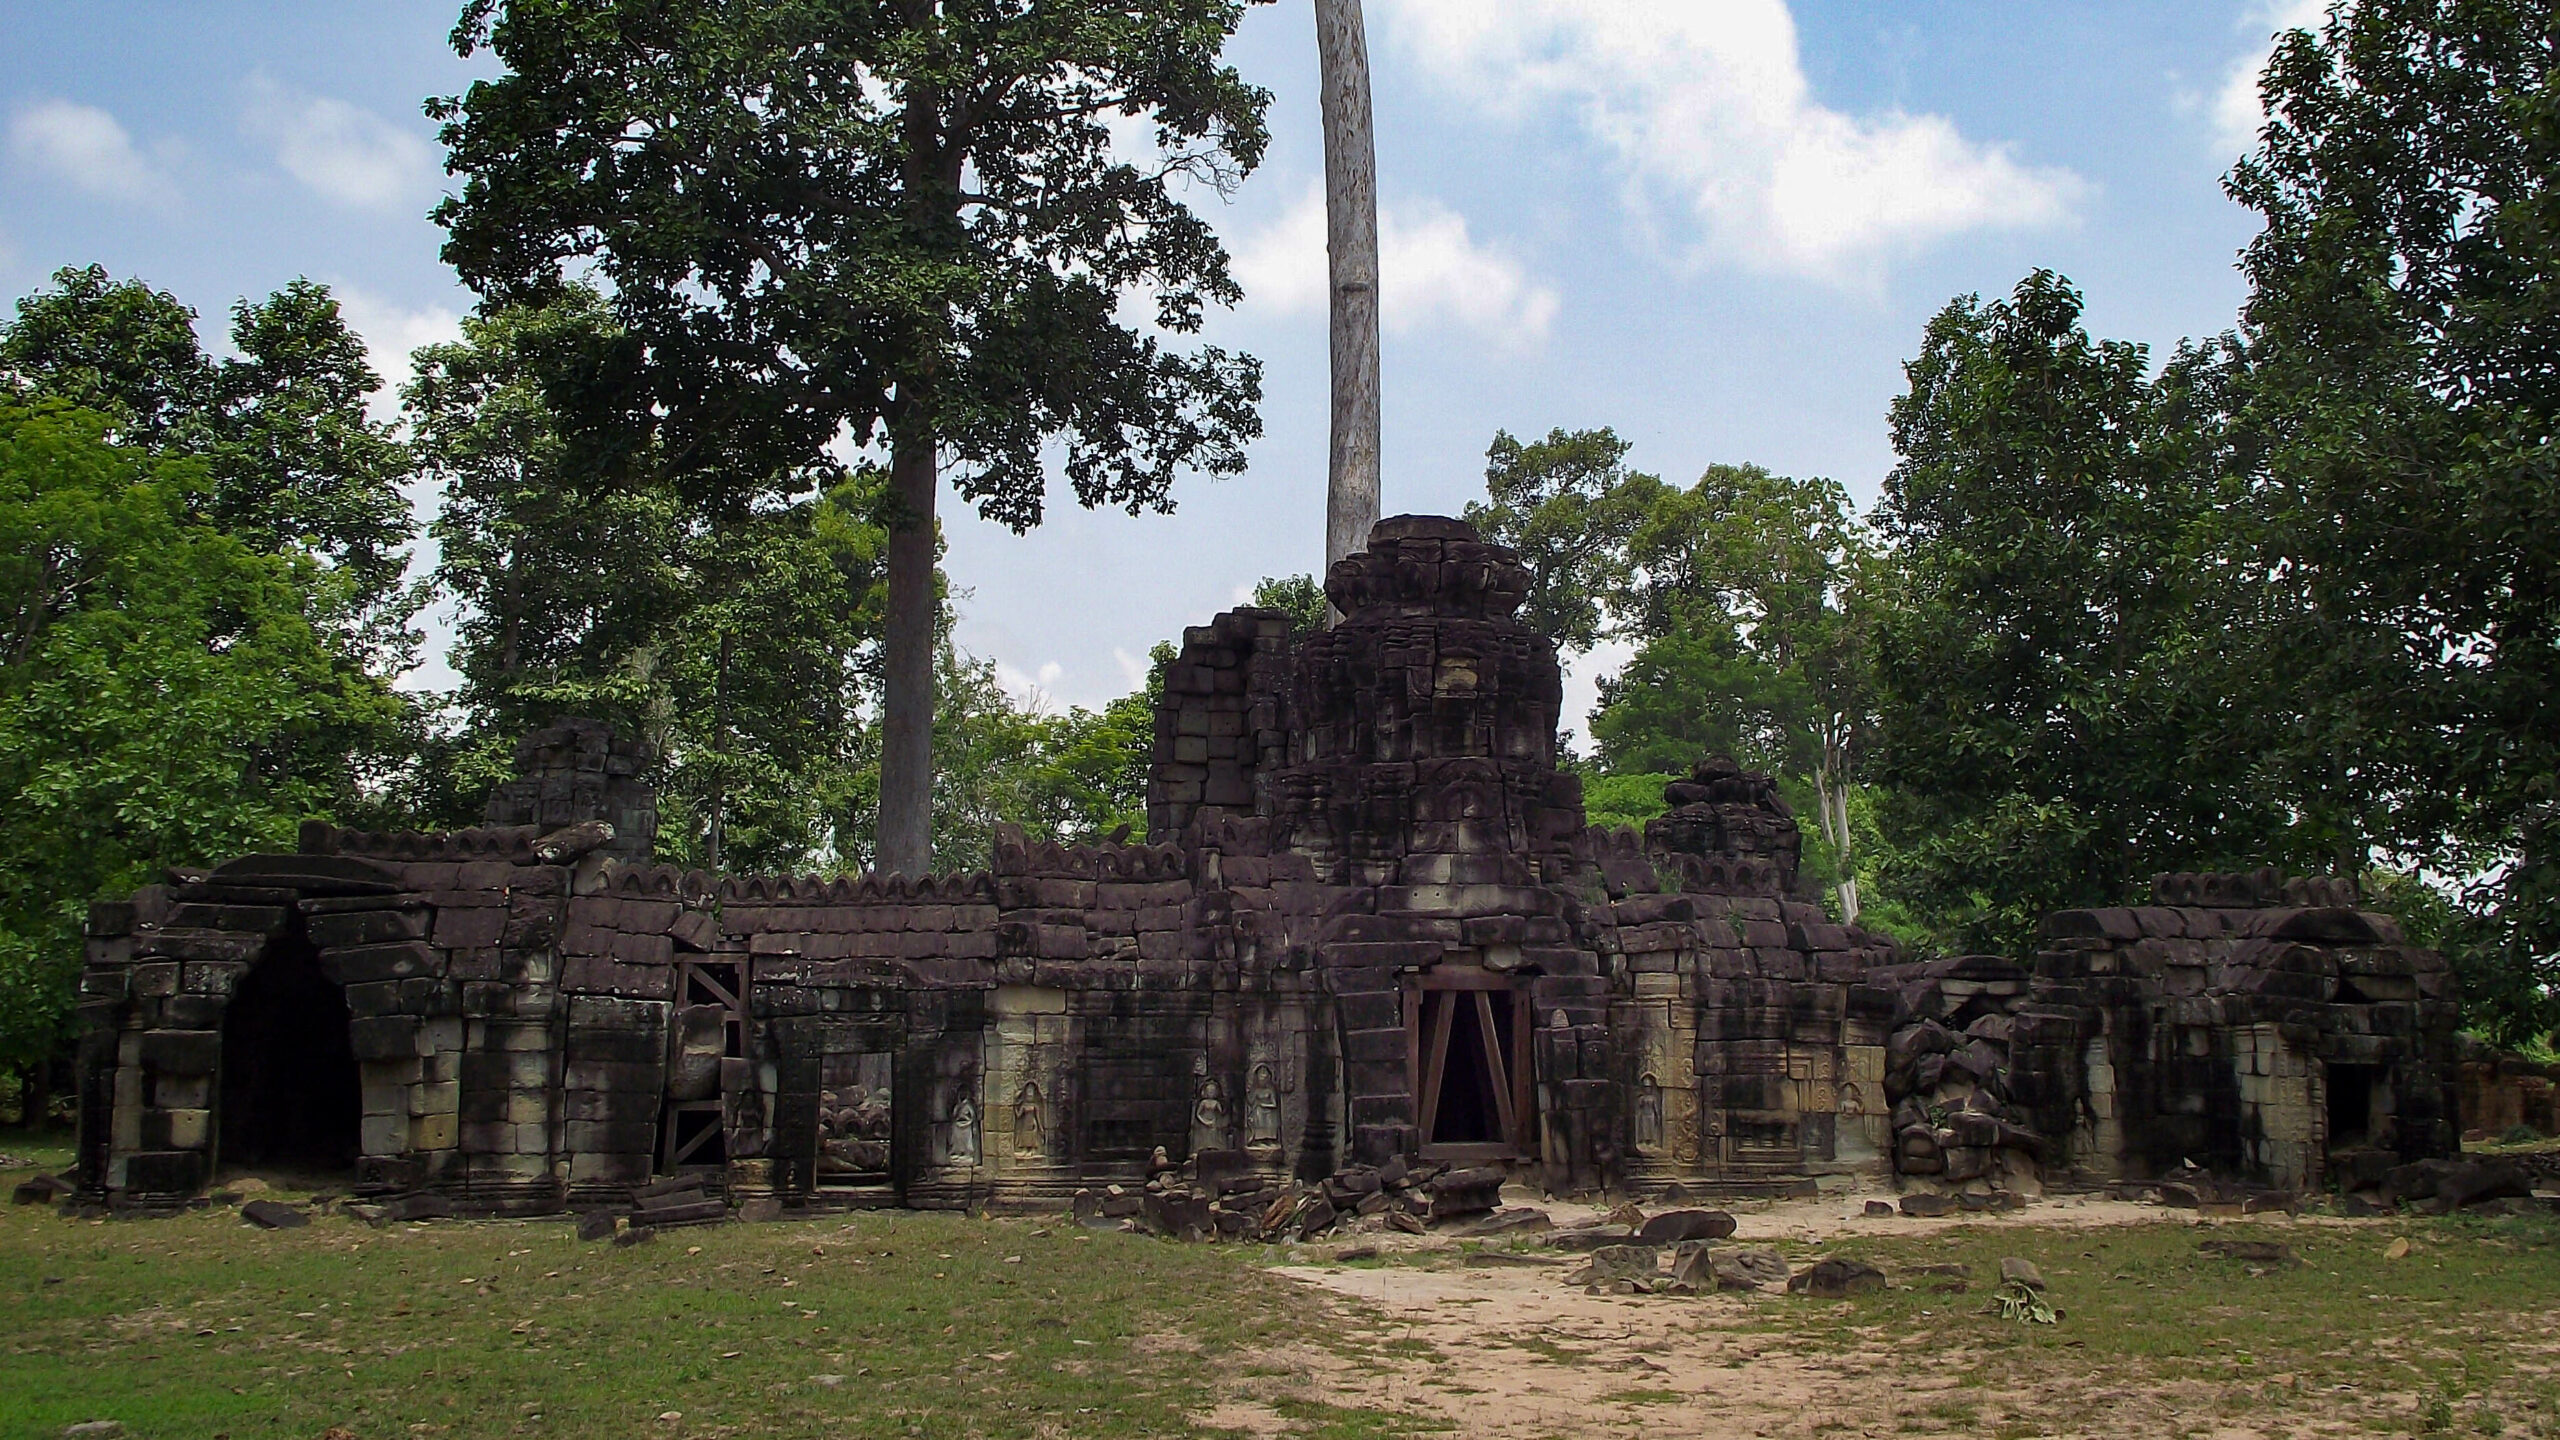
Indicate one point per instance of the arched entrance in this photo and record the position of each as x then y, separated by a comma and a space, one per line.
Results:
291, 1097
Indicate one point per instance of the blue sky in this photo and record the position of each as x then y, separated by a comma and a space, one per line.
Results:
1717, 225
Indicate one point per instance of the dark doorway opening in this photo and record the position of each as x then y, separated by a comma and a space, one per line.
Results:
1470, 1060
291, 1097
2350, 1090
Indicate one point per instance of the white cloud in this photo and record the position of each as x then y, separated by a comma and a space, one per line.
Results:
1431, 272
1134, 668
2237, 111
347, 155
391, 333
1707, 109
90, 149
1030, 690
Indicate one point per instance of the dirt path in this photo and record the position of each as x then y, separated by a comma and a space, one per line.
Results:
1505, 1347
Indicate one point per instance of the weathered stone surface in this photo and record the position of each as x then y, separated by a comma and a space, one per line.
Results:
2016, 1271
1746, 1269
1622, 1262
1673, 1226
1837, 1278
270, 1215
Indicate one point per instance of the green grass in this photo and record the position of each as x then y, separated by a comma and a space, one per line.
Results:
2459, 1335
199, 1326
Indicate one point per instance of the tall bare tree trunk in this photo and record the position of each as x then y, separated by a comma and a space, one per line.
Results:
906, 749
1351, 248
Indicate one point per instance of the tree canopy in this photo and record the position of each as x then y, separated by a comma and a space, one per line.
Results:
291, 460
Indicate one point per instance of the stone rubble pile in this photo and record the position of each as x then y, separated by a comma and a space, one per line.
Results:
1216, 1198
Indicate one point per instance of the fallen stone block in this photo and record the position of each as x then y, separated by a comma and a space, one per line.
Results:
1612, 1263
268, 1215
1836, 1279
1746, 1269
1927, 1207
1673, 1226
2014, 1271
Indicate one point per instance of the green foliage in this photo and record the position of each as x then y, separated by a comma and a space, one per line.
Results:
2059, 712
1744, 595
2397, 323
1691, 693
292, 462
1567, 504
737, 639
1074, 778
1300, 597
168, 695
1619, 800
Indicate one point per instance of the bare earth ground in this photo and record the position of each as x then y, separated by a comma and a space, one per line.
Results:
1430, 1338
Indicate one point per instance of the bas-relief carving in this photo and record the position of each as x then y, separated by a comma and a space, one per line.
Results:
1262, 1110
1649, 1129
1209, 1127
960, 1133
1030, 1121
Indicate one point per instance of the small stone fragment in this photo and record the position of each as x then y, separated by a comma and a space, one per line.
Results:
93, 1430
596, 1225
2397, 1249
2014, 1271
636, 1235
1879, 1210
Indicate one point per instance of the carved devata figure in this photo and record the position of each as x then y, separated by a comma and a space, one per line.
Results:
1208, 1109
1262, 1111
1029, 1128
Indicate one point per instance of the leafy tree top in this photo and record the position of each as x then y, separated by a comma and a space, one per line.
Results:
829, 219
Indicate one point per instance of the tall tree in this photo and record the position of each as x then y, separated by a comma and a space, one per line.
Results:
1351, 260
1786, 569
831, 222
2402, 333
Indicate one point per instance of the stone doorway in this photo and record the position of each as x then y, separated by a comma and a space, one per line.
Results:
291, 1096
1467, 1042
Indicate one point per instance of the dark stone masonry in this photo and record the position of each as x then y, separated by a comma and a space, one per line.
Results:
1370, 929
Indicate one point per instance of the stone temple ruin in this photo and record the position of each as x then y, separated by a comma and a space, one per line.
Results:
1369, 928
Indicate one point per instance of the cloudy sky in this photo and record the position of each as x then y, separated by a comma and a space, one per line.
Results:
1717, 225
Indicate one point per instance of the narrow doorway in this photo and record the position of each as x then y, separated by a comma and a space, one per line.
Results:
2350, 1089
1468, 1039
291, 1098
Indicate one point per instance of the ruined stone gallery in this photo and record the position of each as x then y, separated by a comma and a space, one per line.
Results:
1370, 927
